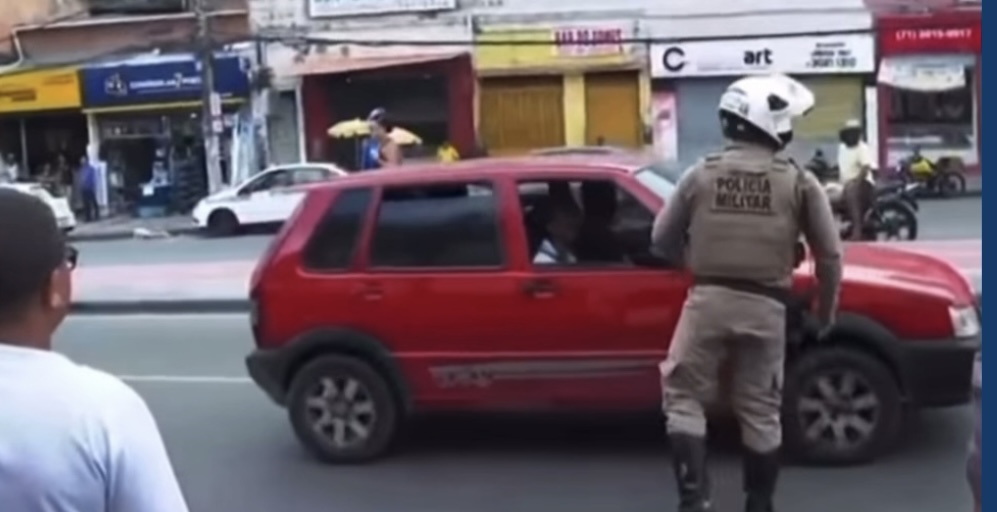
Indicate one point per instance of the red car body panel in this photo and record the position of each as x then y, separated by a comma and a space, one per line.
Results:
594, 344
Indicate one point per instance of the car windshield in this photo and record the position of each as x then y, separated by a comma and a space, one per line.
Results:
660, 177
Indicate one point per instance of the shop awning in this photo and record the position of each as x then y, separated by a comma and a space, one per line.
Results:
334, 64
924, 74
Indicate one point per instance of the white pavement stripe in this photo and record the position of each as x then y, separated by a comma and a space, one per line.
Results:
185, 379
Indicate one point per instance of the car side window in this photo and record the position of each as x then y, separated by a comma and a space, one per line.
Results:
306, 175
436, 226
585, 223
268, 181
333, 244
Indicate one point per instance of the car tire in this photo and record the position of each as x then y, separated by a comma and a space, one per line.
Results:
374, 408
222, 223
874, 404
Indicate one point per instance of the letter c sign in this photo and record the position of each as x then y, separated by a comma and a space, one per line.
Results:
673, 59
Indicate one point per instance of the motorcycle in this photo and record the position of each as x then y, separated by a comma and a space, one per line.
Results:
892, 216
946, 178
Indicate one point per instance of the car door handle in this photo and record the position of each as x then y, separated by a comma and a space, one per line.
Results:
540, 288
370, 291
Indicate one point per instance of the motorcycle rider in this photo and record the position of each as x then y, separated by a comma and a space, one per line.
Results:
855, 164
736, 220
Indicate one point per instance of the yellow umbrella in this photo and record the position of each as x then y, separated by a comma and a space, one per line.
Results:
403, 137
349, 129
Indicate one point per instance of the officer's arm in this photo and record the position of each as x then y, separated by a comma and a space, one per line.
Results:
821, 232
668, 236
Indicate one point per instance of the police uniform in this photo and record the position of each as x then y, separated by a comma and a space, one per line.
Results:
735, 221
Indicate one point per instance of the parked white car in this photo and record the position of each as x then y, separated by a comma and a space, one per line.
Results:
269, 197
64, 215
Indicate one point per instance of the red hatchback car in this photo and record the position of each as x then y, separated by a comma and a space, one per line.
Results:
420, 289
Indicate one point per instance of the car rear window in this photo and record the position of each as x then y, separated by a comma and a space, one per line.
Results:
434, 226
334, 241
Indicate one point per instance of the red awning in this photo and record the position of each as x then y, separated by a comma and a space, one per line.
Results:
333, 64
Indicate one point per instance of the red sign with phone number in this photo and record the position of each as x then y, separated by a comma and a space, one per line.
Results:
961, 39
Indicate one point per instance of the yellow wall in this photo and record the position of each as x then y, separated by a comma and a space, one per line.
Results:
545, 59
574, 110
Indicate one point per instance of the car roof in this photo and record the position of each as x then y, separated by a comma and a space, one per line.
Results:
486, 167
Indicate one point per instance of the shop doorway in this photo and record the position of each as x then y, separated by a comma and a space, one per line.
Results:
47, 147
415, 101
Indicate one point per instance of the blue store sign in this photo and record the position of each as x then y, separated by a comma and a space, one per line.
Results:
169, 81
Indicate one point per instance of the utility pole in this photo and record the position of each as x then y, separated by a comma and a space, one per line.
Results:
211, 108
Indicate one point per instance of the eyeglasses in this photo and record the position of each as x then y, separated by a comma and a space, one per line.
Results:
72, 257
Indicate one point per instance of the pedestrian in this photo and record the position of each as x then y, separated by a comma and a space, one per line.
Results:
88, 190
72, 438
855, 165
735, 220
382, 150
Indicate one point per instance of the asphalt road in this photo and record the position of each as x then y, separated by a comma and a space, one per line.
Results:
940, 219
234, 451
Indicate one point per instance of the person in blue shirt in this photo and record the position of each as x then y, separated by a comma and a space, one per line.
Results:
88, 190
379, 150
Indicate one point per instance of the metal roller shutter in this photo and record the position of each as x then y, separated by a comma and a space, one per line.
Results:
839, 98
612, 109
517, 114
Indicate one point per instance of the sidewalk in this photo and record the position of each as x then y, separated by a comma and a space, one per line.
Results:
216, 287
119, 228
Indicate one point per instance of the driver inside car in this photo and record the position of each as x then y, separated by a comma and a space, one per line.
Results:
561, 226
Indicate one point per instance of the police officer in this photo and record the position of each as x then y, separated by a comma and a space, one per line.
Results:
735, 221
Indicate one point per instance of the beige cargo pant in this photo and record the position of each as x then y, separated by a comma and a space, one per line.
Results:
718, 323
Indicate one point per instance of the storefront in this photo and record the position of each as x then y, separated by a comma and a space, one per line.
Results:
581, 84
688, 79
41, 125
929, 86
428, 93
144, 116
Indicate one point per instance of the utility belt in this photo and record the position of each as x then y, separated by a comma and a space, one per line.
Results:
781, 295
797, 307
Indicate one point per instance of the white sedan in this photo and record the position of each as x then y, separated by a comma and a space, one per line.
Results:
64, 215
265, 198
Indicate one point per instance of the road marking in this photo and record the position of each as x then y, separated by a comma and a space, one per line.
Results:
185, 379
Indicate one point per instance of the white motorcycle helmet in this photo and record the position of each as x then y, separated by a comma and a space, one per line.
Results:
764, 106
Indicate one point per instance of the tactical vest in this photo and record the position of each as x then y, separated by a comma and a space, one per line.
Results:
746, 218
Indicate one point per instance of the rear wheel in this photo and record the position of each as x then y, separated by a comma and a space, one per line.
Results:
342, 410
951, 184
222, 223
841, 405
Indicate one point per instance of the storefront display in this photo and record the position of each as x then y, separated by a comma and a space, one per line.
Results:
696, 73
147, 115
929, 86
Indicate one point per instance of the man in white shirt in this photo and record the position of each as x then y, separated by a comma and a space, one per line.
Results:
72, 438
855, 164
561, 224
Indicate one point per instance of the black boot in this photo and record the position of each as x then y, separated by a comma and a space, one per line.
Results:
689, 462
760, 473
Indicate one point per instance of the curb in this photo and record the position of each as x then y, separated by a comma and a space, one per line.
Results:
123, 234
160, 307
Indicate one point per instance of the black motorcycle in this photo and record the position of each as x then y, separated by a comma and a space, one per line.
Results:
893, 215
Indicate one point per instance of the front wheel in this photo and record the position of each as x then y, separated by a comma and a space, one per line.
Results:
222, 223
893, 220
841, 405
